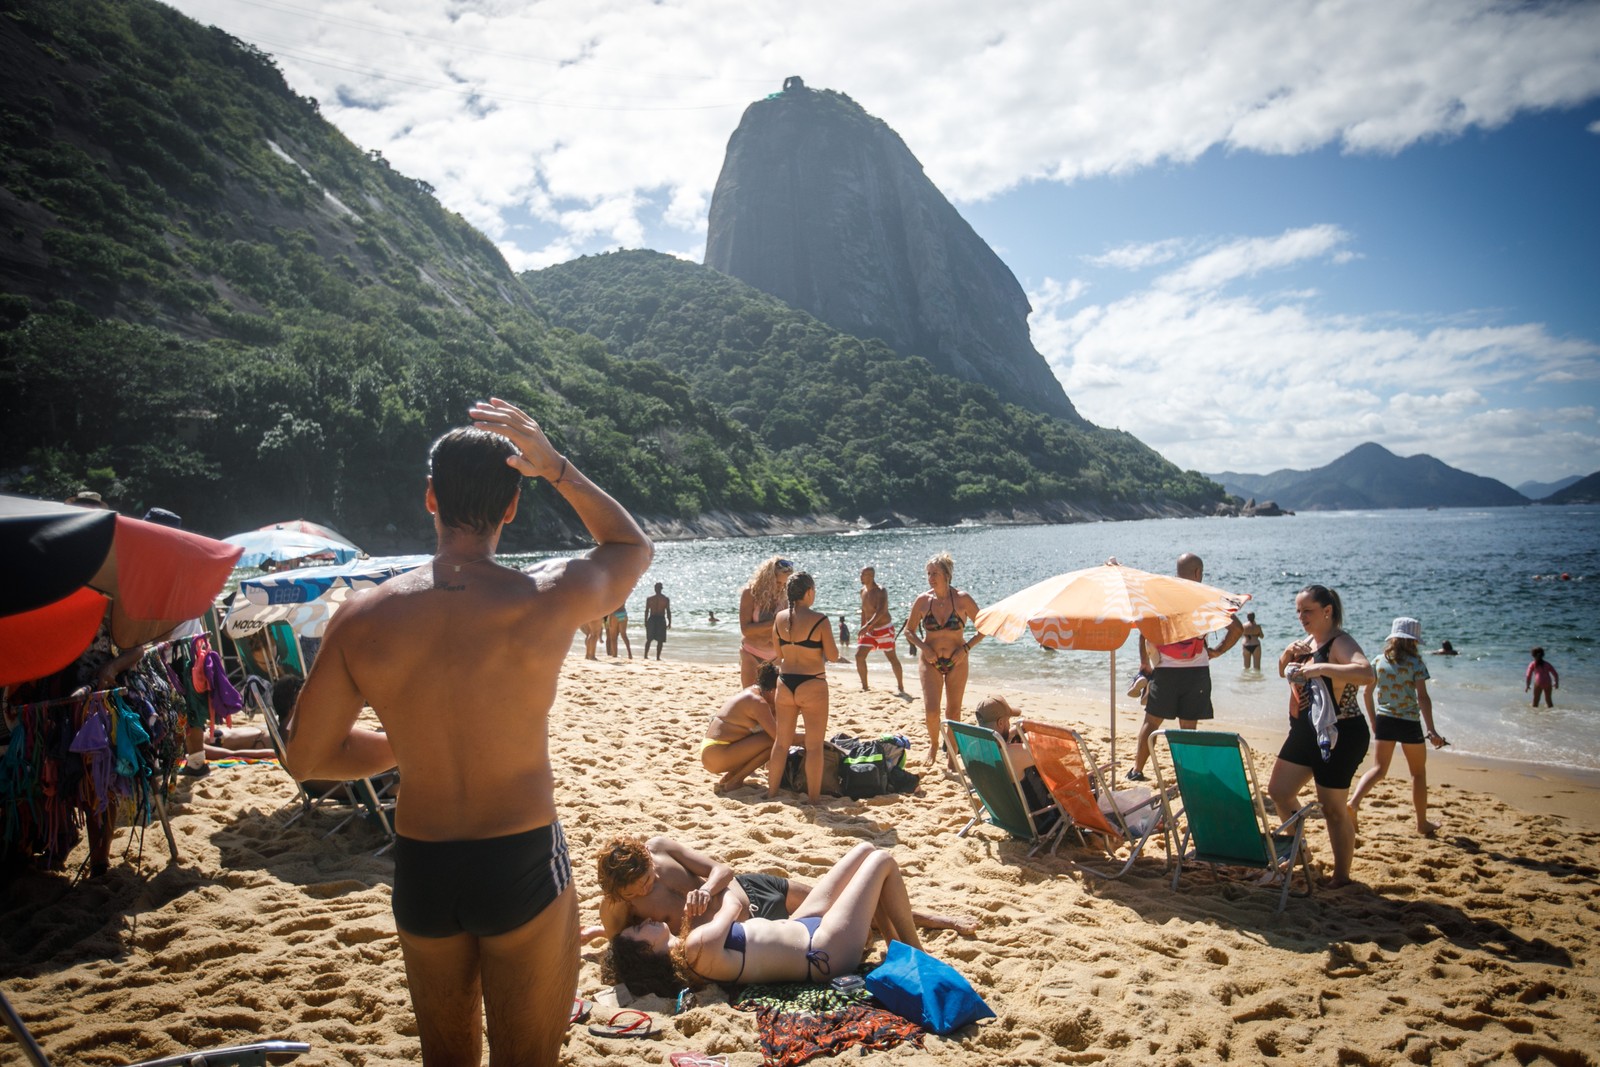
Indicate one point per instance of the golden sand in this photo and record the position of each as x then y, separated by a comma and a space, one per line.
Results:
1473, 947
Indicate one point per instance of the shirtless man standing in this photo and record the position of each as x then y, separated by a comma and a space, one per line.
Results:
739, 737
877, 630
459, 659
657, 621
662, 879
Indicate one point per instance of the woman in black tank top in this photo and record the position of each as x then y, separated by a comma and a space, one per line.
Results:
1327, 656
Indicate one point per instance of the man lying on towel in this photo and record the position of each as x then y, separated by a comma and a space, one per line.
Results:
661, 879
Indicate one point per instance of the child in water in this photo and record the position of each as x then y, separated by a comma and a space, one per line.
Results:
1541, 677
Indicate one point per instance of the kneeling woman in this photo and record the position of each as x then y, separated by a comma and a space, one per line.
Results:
826, 936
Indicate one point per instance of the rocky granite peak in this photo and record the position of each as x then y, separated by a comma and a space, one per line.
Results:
823, 206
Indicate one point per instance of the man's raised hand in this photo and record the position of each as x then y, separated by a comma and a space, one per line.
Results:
539, 458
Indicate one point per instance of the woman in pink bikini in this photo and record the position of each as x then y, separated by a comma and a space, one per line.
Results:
759, 603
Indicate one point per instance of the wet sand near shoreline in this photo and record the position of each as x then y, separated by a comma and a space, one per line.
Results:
1476, 946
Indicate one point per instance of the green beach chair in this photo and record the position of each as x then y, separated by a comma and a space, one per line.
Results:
1223, 812
994, 787
1078, 783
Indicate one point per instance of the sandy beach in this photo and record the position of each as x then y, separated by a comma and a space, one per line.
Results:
1476, 946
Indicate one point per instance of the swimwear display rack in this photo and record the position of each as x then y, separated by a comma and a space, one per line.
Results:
108, 754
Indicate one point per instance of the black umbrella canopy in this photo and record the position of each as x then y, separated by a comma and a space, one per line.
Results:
49, 551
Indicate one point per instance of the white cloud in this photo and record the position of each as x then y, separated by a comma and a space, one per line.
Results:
1244, 258
509, 107
1139, 256
1250, 382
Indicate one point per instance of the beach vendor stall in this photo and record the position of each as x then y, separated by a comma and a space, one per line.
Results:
91, 709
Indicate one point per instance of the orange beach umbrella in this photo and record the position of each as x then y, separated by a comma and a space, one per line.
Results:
1095, 609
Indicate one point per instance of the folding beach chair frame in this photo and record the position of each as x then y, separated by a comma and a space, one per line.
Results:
1280, 848
981, 809
371, 797
1099, 786
255, 1054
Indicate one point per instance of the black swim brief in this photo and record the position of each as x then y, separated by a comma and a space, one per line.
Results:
484, 888
1182, 693
768, 893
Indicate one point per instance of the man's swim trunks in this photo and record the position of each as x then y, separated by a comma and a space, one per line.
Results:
655, 628
880, 638
483, 888
768, 893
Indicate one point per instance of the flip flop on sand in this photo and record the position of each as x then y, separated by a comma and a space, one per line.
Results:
698, 1059
625, 1023
580, 1010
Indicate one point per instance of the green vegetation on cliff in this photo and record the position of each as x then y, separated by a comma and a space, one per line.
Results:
873, 430
211, 301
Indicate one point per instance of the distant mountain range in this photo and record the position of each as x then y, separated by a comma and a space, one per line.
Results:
1583, 491
1370, 476
1540, 490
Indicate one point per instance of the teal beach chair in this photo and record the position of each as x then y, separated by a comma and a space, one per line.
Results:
1223, 812
994, 787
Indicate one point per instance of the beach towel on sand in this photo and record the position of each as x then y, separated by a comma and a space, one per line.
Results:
796, 1021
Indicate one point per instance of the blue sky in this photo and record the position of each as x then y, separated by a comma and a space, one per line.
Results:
1255, 234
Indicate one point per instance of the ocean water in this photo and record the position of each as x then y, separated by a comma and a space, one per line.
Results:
1487, 580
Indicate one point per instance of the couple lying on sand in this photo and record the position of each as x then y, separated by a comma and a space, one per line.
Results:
677, 917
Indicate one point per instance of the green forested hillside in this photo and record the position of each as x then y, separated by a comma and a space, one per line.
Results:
211, 301
871, 429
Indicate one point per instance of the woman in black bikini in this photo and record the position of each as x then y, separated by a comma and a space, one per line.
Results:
1252, 642
941, 614
826, 936
1329, 657
804, 639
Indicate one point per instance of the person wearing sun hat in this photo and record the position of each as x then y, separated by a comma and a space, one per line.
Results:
1402, 714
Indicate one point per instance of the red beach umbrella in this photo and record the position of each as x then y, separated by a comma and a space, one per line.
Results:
60, 565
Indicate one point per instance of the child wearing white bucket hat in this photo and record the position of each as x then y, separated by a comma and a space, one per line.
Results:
1402, 713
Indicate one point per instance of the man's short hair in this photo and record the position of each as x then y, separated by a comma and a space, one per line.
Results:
472, 482
163, 517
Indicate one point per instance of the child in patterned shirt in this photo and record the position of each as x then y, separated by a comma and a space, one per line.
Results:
1403, 714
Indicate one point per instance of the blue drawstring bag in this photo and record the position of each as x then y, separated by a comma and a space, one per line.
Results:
929, 992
